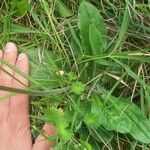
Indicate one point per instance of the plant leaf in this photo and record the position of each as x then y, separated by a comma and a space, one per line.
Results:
140, 126
21, 6
88, 15
91, 120
96, 40
77, 88
122, 116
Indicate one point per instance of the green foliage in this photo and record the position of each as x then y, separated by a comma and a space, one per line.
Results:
96, 40
53, 113
47, 76
21, 6
123, 29
92, 120
56, 117
63, 10
122, 116
92, 49
89, 17
77, 88
72, 76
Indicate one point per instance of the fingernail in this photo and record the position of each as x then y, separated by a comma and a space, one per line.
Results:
10, 47
21, 56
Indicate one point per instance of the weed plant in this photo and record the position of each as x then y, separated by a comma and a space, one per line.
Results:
89, 69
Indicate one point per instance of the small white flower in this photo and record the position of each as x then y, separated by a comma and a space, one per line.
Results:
61, 72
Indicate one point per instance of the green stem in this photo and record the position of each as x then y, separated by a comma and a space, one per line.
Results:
34, 92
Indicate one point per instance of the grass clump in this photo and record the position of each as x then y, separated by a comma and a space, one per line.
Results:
89, 69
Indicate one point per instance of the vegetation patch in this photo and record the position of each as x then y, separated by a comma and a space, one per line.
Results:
89, 69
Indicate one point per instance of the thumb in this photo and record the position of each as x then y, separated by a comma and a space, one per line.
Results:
41, 143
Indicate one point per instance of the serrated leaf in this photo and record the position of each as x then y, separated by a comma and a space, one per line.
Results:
88, 14
77, 88
40, 75
45, 74
53, 113
66, 135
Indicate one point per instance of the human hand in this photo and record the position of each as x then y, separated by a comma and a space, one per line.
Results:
15, 131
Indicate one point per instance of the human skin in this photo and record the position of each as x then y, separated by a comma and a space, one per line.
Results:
15, 131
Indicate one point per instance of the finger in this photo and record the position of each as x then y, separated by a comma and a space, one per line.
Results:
41, 143
19, 104
1, 55
9, 55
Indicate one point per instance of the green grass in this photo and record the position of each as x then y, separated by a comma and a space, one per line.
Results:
96, 53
